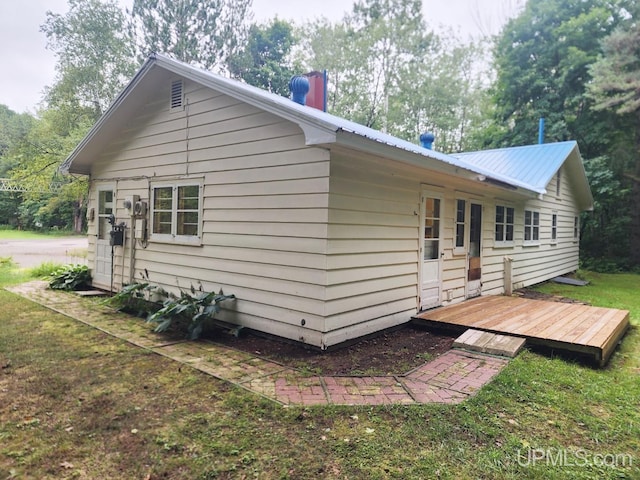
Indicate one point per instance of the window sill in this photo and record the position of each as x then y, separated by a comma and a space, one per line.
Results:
176, 240
504, 245
531, 244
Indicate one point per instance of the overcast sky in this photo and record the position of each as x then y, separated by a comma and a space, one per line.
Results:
28, 66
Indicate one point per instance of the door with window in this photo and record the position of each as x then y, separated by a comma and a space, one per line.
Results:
431, 275
474, 270
103, 261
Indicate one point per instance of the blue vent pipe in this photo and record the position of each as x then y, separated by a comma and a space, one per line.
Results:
541, 131
299, 86
426, 140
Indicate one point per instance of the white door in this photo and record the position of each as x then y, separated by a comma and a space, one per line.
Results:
103, 260
431, 277
474, 267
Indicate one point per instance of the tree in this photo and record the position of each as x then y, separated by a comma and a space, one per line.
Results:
94, 61
616, 86
94, 58
542, 60
265, 59
204, 33
387, 71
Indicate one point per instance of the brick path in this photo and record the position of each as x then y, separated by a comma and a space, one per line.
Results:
450, 378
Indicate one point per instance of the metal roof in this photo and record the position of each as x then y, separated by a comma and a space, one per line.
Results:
532, 166
519, 167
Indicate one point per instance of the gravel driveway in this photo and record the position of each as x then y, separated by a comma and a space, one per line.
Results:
30, 253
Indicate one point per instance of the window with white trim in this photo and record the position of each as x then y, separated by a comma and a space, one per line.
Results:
176, 212
531, 226
461, 210
554, 227
505, 217
558, 182
576, 228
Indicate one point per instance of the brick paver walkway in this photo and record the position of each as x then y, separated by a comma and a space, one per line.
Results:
450, 378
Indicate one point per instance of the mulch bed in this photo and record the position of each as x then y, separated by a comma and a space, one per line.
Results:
389, 352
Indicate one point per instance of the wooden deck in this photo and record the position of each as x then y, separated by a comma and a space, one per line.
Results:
595, 331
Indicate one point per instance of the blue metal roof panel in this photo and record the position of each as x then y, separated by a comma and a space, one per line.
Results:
530, 165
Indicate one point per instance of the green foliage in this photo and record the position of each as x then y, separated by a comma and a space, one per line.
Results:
195, 308
135, 298
45, 269
70, 277
542, 59
95, 59
386, 70
207, 34
264, 60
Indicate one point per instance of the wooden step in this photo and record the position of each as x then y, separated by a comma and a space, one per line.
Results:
487, 342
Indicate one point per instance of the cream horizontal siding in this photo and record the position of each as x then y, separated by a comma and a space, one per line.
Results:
372, 261
264, 216
533, 264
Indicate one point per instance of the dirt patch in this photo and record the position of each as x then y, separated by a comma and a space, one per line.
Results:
535, 295
389, 352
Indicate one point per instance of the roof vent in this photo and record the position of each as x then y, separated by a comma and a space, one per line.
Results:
299, 86
426, 140
176, 95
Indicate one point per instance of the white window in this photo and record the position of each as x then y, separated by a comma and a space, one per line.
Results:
461, 208
531, 227
558, 182
505, 217
576, 228
176, 212
554, 228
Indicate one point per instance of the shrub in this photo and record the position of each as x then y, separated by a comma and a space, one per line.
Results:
134, 298
70, 277
195, 308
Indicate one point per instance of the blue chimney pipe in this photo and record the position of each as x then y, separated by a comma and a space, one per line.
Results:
541, 131
426, 140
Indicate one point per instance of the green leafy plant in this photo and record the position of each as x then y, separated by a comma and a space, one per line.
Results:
135, 298
195, 308
45, 269
70, 277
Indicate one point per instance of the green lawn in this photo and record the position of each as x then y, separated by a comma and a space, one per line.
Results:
76, 403
27, 235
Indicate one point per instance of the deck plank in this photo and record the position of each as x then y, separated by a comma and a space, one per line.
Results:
573, 327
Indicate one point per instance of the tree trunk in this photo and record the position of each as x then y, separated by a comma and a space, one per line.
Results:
78, 220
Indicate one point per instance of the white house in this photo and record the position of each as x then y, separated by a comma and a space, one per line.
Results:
325, 230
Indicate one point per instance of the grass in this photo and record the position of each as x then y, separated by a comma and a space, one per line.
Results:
7, 234
76, 403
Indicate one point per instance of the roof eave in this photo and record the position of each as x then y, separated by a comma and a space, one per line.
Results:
85, 169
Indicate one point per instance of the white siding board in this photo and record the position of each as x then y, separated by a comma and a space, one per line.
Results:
372, 245
269, 174
348, 290
351, 318
285, 187
296, 201
304, 230
296, 215
273, 243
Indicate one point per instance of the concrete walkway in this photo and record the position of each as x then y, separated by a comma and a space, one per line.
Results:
450, 378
